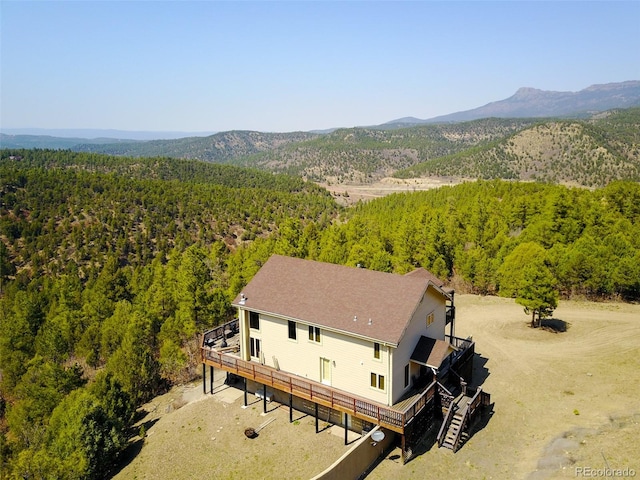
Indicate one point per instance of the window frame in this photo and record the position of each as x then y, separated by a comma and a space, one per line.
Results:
292, 330
255, 347
314, 334
377, 381
377, 351
430, 319
407, 375
254, 317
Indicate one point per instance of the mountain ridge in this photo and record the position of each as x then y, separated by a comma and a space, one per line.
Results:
529, 102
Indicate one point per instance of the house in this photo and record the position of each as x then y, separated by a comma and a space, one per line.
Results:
369, 347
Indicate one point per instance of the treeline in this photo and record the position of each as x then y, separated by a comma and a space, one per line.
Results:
112, 267
591, 239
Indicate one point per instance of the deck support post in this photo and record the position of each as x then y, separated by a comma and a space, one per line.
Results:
403, 447
317, 425
291, 408
211, 379
245, 390
204, 378
264, 398
346, 430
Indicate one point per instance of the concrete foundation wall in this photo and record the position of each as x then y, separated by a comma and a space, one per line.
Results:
359, 458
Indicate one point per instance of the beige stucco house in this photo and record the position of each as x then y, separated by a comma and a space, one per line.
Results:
356, 347
361, 331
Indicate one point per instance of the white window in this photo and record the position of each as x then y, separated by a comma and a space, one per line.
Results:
254, 347
377, 381
314, 334
429, 319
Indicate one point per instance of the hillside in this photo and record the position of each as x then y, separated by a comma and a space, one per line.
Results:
586, 152
363, 154
219, 148
65, 210
589, 153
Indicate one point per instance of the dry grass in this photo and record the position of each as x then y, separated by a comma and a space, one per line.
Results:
192, 435
562, 400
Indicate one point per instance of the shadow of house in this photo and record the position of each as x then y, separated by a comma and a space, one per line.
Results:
480, 370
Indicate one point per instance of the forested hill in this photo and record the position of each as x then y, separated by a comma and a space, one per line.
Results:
364, 154
110, 268
590, 152
157, 168
221, 147
66, 210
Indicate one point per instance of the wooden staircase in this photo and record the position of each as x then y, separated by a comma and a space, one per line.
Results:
456, 433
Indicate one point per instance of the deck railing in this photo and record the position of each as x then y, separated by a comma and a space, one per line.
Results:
217, 333
442, 433
386, 416
450, 314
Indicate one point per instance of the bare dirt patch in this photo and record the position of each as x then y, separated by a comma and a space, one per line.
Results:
562, 400
349, 193
195, 435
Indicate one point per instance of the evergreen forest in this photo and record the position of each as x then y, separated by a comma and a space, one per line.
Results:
112, 267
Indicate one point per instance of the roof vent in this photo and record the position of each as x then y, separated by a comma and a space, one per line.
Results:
355, 318
370, 322
243, 299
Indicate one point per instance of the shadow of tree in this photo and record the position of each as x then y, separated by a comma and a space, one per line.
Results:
133, 449
554, 325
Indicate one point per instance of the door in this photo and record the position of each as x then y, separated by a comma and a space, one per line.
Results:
325, 371
254, 347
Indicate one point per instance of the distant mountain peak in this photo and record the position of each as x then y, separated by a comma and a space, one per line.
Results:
528, 92
529, 102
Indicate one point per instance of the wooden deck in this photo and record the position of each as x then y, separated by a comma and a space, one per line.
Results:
387, 417
395, 418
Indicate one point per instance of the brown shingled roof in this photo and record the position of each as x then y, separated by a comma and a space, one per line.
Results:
330, 296
431, 352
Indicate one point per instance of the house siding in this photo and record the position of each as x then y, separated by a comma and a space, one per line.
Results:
351, 359
432, 301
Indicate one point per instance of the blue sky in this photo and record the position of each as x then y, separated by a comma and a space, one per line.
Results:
285, 66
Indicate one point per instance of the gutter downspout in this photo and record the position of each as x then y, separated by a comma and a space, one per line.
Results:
391, 379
